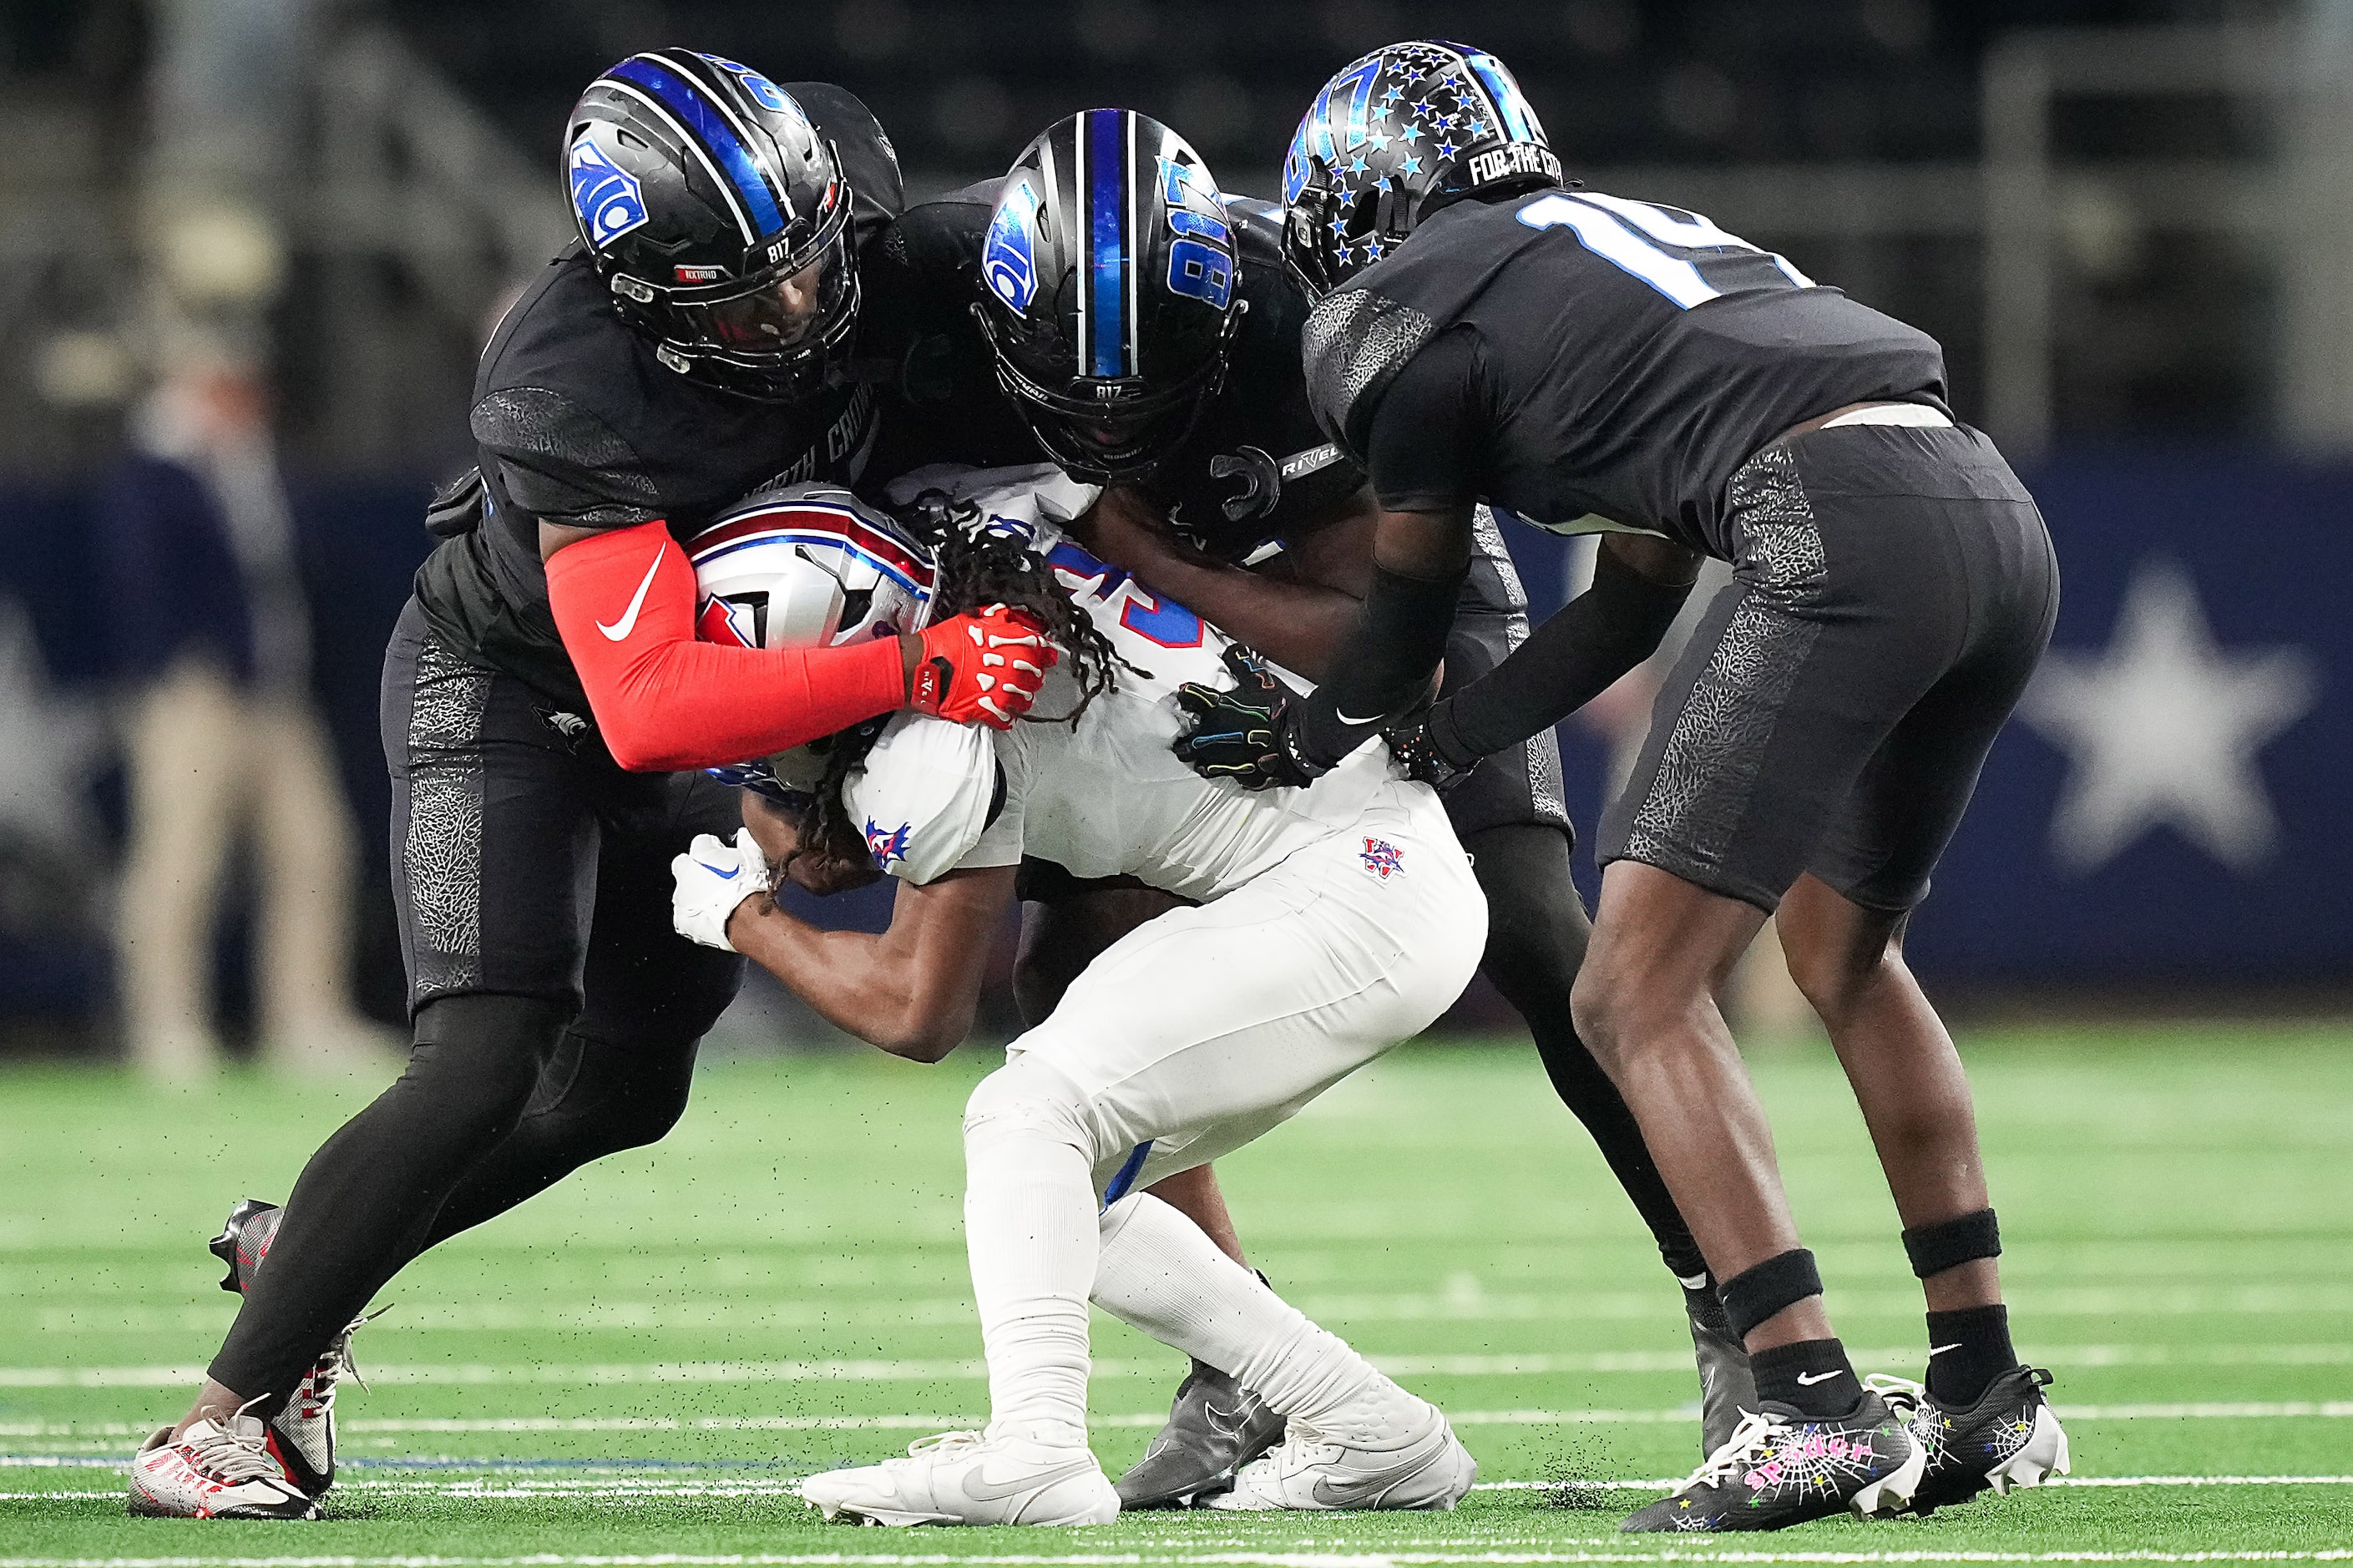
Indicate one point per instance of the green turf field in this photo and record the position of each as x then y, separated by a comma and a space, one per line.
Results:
634, 1368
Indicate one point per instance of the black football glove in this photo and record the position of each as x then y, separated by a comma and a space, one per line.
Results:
1239, 731
1426, 745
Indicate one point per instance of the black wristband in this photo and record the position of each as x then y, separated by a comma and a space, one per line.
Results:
1950, 1243
1447, 738
1754, 1294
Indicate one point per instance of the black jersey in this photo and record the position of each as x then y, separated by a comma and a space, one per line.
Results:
1256, 468
1584, 361
578, 424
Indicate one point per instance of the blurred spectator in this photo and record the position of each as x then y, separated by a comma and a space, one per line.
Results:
196, 548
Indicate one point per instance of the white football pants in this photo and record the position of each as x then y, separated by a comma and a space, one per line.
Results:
1193, 1034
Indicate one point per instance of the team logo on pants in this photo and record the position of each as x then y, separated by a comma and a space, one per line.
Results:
1382, 858
888, 843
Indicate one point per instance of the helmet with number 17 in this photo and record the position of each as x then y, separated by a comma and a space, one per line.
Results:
1394, 137
1109, 291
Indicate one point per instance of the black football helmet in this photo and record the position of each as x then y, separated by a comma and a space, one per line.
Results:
1110, 290
1393, 138
718, 219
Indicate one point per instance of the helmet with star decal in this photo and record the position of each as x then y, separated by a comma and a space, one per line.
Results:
1393, 138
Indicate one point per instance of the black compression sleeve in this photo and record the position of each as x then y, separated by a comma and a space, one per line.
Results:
1426, 441
1384, 665
1567, 661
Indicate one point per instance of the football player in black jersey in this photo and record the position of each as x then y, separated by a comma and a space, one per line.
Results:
1485, 331
1178, 387
689, 349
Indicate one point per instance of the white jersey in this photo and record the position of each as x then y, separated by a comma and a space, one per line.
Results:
1105, 795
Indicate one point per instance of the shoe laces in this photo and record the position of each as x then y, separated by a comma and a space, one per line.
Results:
232, 1457
337, 1361
943, 1442
1739, 1451
1903, 1395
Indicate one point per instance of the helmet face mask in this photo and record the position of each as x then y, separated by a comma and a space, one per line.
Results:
718, 220
1394, 137
1110, 297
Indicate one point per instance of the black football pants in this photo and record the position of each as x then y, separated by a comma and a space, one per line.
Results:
556, 1012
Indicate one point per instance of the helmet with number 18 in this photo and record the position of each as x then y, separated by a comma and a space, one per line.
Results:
1391, 139
1109, 291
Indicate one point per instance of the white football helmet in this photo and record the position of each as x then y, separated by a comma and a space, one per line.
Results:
805, 566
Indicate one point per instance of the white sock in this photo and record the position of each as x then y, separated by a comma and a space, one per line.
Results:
1161, 1274
1029, 1231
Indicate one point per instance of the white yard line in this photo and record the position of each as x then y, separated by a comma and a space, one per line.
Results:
98, 1435
920, 1370
1466, 1301
1172, 1557
651, 1488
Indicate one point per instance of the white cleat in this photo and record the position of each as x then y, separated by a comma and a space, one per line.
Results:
1384, 1450
213, 1471
965, 1478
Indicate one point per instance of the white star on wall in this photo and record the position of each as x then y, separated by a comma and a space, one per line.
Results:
2162, 727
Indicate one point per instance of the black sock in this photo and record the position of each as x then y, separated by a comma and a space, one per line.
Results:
1813, 1376
1967, 1351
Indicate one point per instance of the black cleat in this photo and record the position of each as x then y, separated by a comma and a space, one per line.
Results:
2010, 1437
1727, 1385
245, 1240
1784, 1468
1214, 1428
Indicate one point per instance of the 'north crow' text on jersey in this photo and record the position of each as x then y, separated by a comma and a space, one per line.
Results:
578, 424
1586, 361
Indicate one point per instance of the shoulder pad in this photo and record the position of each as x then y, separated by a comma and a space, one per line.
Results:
923, 795
560, 461
1355, 341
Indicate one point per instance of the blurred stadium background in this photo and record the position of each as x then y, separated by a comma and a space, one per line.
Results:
2129, 221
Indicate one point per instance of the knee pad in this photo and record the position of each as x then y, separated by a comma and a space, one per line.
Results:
605, 1097
1026, 1097
482, 1055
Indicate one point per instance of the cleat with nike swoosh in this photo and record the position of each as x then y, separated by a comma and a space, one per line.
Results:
1384, 1450
2010, 1437
1214, 1428
967, 1477
1783, 1466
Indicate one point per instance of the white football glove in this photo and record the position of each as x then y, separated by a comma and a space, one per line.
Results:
714, 877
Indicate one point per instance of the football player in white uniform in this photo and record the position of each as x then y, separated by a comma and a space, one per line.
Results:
1331, 924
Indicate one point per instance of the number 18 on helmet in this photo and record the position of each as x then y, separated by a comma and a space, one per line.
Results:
1109, 291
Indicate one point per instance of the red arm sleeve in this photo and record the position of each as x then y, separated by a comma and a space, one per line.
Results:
624, 602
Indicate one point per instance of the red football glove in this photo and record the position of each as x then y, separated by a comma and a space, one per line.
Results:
982, 669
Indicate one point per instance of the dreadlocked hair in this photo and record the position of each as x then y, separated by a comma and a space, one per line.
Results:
977, 565
981, 566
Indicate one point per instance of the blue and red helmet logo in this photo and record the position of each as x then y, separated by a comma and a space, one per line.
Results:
887, 847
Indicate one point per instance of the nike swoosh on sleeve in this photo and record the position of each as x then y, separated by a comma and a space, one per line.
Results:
619, 630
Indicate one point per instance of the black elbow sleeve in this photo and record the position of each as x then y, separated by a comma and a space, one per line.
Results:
1570, 659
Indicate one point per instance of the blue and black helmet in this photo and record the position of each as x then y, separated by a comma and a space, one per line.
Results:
1393, 138
1110, 290
719, 217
